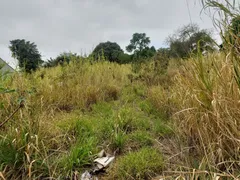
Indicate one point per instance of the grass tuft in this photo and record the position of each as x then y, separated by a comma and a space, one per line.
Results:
143, 164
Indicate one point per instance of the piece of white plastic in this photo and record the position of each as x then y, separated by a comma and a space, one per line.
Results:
86, 176
104, 161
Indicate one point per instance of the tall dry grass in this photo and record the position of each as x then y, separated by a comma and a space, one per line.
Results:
204, 102
31, 141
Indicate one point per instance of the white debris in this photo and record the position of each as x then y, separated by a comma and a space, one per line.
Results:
101, 154
86, 176
104, 161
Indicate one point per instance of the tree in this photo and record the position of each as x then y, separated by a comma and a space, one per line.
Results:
109, 50
138, 42
147, 52
61, 59
139, 45
27, 54
124, 58
190, 39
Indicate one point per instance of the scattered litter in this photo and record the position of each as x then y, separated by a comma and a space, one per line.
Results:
101, 154
86, 176
104, 161
100, 164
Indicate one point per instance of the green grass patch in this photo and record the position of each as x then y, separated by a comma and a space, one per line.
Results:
80, 155
161, 128
130, 119
118, 140
103, 110
147, 107
9, 155
142, 164
139, 139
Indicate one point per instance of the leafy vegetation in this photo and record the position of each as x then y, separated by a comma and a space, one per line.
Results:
190, 40
139, 45
142, 164
61, 59
27, 54
109, 50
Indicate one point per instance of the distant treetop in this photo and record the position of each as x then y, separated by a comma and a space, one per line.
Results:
27, 54
107, 50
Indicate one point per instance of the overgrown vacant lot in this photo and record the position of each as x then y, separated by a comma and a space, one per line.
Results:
182, 122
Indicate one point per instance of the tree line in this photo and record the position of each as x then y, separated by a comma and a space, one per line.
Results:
186, 41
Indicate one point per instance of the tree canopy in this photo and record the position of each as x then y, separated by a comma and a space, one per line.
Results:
190, 39
27, 54
61, 59
109, 50
138, 42
139, 45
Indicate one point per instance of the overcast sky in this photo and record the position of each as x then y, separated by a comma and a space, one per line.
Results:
79, 25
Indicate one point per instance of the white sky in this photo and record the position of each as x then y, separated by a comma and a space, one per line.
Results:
79, 25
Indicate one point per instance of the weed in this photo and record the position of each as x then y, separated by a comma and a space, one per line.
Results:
139, 139
77, 109
80, 155
118, 140
162, 128
143, 164
10, 155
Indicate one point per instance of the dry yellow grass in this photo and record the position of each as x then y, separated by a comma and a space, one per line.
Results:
200, 96
51, 97
204, 104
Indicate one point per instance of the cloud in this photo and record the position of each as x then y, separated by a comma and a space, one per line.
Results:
79, 25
